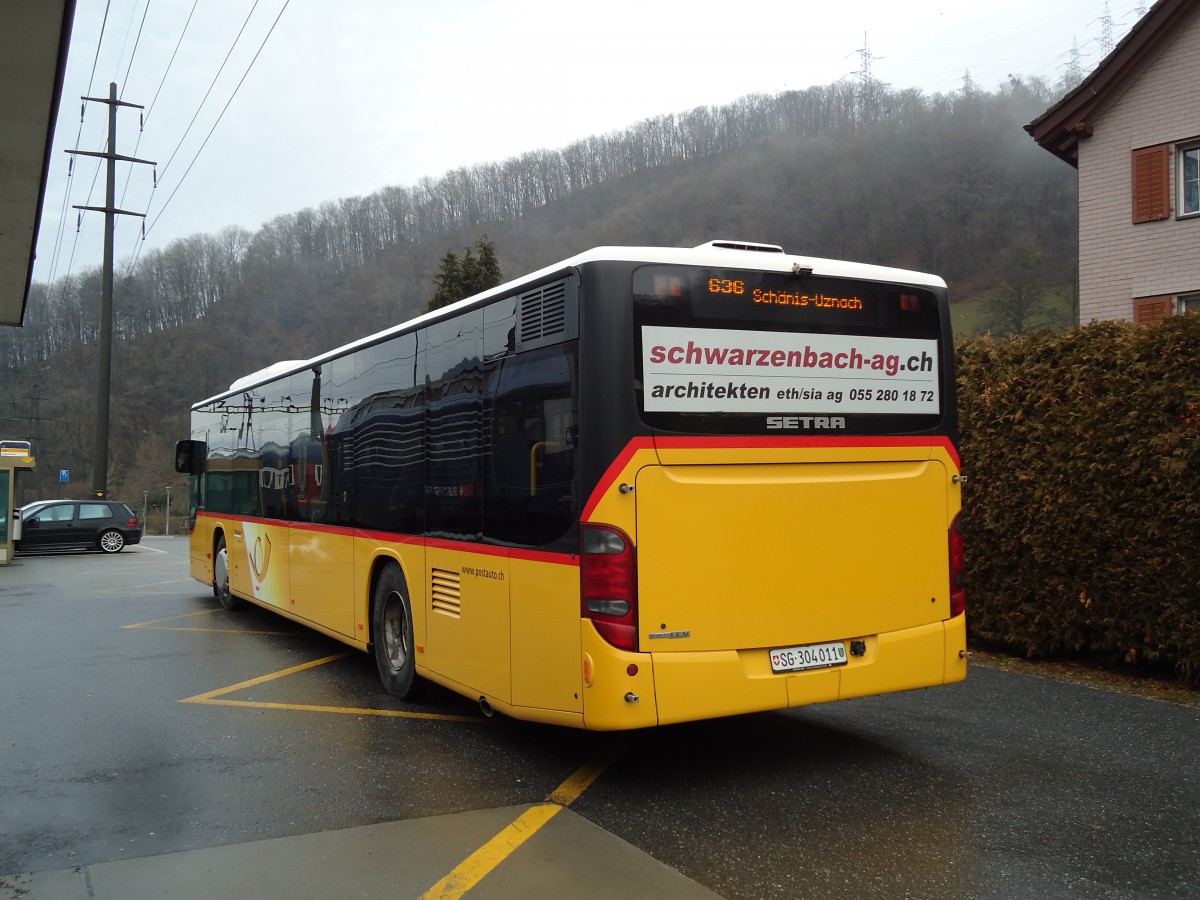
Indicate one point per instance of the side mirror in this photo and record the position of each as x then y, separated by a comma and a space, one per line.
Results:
189, 456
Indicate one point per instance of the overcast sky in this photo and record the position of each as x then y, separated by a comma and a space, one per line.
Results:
318, 101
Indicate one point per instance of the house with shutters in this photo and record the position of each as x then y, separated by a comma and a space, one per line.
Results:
1132, 129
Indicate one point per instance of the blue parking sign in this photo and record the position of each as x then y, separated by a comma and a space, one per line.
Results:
64, 475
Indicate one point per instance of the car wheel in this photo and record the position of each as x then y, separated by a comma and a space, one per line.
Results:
221, 577
392, 634
112, 541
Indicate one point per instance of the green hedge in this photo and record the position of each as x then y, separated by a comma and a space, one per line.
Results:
1082, 505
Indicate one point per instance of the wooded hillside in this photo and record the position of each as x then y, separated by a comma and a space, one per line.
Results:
948, 184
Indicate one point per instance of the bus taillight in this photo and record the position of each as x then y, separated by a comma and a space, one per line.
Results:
608, 582
958, 569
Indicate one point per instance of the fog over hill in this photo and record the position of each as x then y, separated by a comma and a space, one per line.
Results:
948, 184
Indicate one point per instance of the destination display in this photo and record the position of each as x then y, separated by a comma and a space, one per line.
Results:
824, 302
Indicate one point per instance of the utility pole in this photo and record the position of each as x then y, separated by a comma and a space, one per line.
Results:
100, 453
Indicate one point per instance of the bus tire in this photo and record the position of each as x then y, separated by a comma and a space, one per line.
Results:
221, 577
392, 634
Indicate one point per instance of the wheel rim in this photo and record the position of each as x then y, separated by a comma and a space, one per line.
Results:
395, 631
111, 541
222, 571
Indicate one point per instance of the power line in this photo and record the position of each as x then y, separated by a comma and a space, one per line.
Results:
171, 61
204, 100
146, 230
221, 116
136, 42
62, 218
162, 81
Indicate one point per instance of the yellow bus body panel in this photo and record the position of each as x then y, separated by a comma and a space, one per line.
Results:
467, 620
818, 544
321, 574
546, 671
774, 556
200, 543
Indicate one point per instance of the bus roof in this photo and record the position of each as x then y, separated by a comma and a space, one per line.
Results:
726, 254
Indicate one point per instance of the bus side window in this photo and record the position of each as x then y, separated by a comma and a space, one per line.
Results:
529, 484
453, 428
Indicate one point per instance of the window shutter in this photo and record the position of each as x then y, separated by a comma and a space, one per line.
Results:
1151, 184
1151, 310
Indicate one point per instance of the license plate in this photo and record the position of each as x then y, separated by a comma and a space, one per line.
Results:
812, 656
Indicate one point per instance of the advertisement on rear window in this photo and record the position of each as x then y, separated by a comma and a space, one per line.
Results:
729, 371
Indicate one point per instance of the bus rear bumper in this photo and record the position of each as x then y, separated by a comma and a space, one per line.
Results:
667, 688
691, 686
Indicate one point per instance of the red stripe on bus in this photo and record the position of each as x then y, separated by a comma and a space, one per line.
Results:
562, 559
614, 469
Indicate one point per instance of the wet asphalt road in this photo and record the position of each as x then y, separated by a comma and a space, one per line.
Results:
1005, 786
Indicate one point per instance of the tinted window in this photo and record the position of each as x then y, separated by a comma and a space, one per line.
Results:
63, 513
446, 431
378, 445
94, 511
454, 428
530, 486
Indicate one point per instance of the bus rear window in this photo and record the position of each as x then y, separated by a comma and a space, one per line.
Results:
740, 352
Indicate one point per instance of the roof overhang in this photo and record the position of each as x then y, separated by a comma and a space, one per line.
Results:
1060, 127
33, 60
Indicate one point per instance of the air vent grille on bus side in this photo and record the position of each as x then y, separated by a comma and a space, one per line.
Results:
546, 315
445, 591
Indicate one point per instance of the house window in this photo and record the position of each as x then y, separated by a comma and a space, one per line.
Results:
1151, 183
1189, 303
1189, 180
1151, 310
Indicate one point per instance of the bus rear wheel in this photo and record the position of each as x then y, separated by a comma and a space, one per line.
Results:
392, 634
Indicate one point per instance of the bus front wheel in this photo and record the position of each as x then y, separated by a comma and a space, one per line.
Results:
221, 577
392, 634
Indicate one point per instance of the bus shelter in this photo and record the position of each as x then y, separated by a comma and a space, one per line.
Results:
15, 456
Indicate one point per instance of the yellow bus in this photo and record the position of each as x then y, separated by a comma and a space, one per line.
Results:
638, 487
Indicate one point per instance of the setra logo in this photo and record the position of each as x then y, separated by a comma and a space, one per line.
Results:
795, 423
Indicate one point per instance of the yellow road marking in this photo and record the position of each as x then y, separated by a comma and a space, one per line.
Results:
213, 698
340, 710
203, 612
262, 679
156, 625
568, 792
140, 590
483, 861
473, 869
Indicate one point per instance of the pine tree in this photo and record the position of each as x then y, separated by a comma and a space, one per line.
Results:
487, 267
448, 282
457, 278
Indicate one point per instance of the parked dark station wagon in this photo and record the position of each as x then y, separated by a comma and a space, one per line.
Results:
106, 525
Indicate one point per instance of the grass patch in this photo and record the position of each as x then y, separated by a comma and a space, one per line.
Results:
974, 315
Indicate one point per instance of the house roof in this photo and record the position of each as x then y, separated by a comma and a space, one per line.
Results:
33, 58
1059, 128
